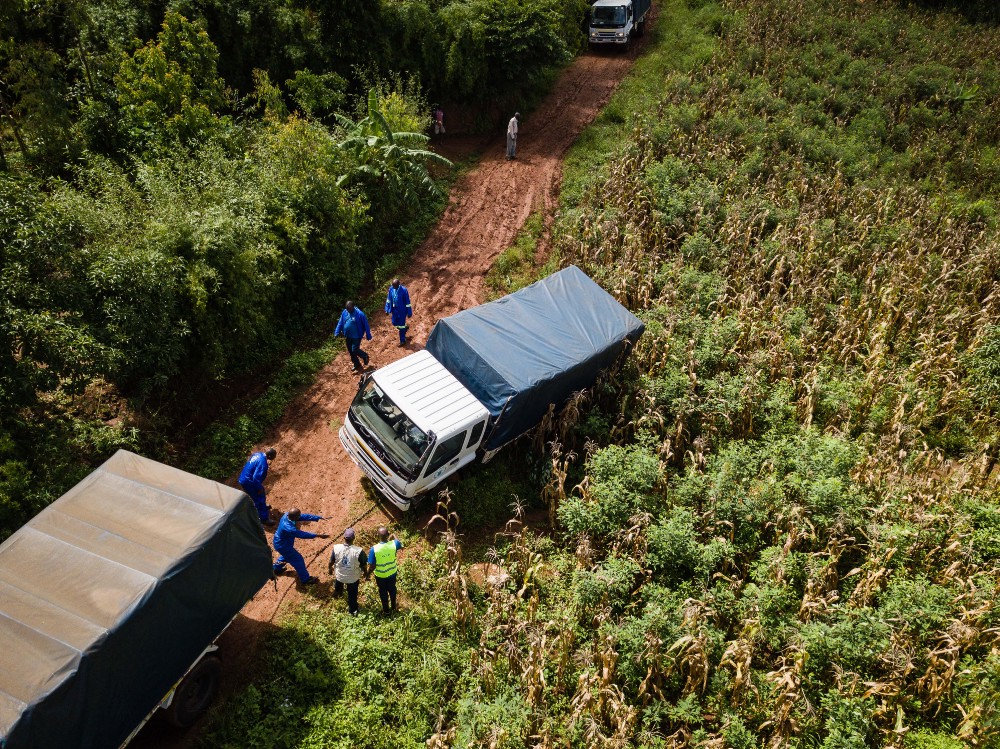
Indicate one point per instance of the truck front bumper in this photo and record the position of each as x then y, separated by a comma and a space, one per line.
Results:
367, 463
607, 38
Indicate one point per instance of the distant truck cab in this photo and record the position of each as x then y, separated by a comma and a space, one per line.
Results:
615, 22
487, 376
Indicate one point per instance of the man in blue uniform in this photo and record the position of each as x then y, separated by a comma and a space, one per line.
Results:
353, 324
252, 482
382, 559
284, 543
397, 305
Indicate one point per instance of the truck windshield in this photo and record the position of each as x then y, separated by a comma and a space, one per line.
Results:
382, 420
603, 16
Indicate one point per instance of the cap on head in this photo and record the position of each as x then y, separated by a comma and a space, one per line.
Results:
517, 115
383, 532
294, 514
270, 453
349, 534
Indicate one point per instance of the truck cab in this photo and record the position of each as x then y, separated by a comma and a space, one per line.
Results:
615, 22
411, 425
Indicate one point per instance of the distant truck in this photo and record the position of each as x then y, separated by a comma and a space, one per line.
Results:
486, 376
111, 600
617, 21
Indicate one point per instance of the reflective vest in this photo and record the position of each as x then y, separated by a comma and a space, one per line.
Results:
385, 559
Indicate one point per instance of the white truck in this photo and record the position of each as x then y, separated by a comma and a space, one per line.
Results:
486, 376
111, 600
616, 22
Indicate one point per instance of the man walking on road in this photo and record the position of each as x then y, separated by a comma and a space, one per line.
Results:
382, 558
512, 136
353, 324
252, 482
284, 543
351, 563
397, 304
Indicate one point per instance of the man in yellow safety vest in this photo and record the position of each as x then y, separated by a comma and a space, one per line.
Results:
382, 559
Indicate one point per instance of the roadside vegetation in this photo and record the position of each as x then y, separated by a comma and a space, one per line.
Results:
185, 199
777, 526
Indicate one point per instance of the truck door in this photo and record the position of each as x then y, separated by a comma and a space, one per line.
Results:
447, 452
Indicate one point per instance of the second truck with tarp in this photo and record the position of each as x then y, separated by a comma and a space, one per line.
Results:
486, 376
112, 598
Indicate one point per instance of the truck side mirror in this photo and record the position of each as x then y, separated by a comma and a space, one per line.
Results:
431, 441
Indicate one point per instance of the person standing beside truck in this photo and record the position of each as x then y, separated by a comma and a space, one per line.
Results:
351, 563
512, 136
382, 558
252, 482
284, 543
397, 305
353, 325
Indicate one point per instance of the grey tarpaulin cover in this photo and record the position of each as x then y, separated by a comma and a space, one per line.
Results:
534, 347
109, 595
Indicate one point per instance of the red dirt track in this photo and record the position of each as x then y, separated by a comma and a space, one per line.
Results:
487, 209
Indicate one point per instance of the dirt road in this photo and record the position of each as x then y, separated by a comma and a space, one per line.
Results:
488, 207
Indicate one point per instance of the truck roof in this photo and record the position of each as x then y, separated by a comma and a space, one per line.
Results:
429, 394
109, 594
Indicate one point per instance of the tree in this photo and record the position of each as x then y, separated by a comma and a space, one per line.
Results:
169, 91
393, 161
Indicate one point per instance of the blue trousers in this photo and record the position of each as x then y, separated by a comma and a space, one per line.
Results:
292, 557
354, 349
399, 322
511, 147
259, 501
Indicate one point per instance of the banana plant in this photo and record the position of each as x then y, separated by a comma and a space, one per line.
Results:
397, 160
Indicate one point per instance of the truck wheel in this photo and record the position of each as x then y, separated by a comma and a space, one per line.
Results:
195, 692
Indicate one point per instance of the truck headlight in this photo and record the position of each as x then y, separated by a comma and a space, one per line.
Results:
621, 33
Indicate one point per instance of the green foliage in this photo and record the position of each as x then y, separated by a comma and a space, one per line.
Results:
621, 479
167, 92
932, 740
848, 721
502, 721
983, 365
521, 38
515, 268
316, 94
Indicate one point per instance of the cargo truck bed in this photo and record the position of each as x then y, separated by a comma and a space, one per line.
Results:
534, 347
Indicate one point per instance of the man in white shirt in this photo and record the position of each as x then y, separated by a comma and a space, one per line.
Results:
351, 564
512, 136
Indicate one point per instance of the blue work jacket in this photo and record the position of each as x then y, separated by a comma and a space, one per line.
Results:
353, 326
254, 472
397, 303
284, 537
